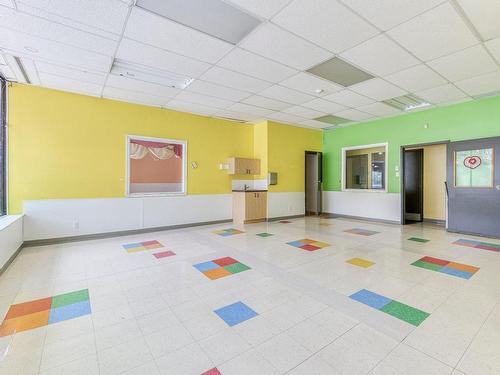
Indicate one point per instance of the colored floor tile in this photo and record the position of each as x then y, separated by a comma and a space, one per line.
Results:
164, 254
235, 313
463, 271
225, 261
416, 239
27, 308
264, 234
360, 262
24, 323
217, 273
227, 232
212, 371
236, 267
371, 299
404, 312
361, 232
142, 246
284, 222
71, 311
206, 266
308, 244
478, 245
70, 298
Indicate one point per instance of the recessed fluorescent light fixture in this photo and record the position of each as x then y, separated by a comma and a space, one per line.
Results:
340, 72
407, 103
213, 17
151, 75
332, 120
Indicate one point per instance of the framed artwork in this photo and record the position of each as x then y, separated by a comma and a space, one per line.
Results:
155, 166
474, 168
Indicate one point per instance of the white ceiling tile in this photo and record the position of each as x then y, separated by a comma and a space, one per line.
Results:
160, 32
286, 95
385, 14
133, 97
209, 101
53, 51
483, 84
494, 47
379, 109
7, 3
435, 33
349, 98
380, 56
224, 113
310, 84
211, 89
68, 84
130, 84
179, 105
254, 65
42, 28
2, 59
467, 63
315, 124
354, 115
443, 94
235, 80
304, 112
484, 16
250, 109
416, 78
327, 23
143, 54
324, 106
279, 45
31, 71
263, 102
262, 8
107, 15
378, 89
7, 72
78, 75
285, 117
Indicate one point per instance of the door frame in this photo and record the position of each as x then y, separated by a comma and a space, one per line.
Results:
402, 175
320, 178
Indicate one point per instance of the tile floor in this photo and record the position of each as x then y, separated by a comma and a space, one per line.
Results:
290, 312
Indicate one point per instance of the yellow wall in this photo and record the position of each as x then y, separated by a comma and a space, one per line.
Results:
65, 145
434, 177
286, 146
260, 147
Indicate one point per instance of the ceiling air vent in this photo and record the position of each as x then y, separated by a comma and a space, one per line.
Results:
340, 72
151, 75
332, 120
231, 119
213, 17
407, 102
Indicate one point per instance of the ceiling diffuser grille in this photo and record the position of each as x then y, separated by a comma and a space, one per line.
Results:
407, 102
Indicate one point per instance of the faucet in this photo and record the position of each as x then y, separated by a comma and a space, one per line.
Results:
246, 187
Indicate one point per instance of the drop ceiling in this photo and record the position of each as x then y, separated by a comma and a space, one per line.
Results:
273, 62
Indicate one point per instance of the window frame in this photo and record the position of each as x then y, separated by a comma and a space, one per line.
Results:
3, 146
155, 194
344, 160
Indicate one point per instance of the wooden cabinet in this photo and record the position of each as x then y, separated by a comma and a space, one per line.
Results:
242, 166
249, 206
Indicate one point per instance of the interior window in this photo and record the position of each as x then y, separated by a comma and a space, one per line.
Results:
365, 168
3, 146
156, 166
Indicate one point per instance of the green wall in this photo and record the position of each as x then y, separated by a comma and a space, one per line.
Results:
475, 119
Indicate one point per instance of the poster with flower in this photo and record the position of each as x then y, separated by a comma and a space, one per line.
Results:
474, 168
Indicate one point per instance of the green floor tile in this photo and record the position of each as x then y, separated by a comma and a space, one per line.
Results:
416, 239
404, 312
429, 266
69, 298
265, 234
237, 267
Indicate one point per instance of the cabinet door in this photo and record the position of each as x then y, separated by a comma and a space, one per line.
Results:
255, 206
262, 205
254, 166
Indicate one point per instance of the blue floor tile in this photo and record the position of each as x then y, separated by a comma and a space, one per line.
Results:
371, 299
455, 272
206, 266
132, 245
236, 313
74, 310
296, 243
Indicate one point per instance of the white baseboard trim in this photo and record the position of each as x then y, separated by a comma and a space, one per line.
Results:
367, 205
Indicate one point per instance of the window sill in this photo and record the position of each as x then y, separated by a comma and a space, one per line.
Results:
7, 220
364, 191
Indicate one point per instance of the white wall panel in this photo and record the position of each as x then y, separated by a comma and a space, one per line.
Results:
11, 236
285, 204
